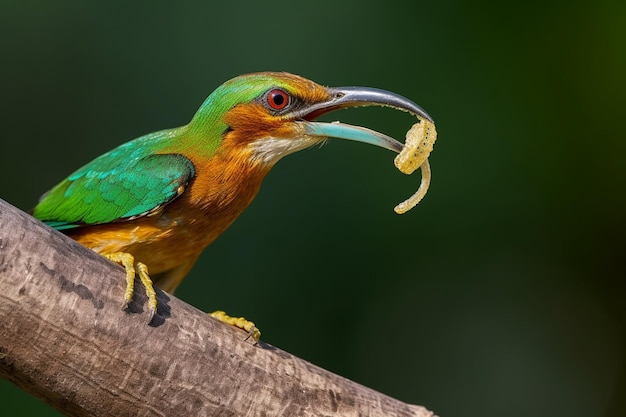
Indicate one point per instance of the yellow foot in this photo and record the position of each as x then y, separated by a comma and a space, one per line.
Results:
128, 262
240, 322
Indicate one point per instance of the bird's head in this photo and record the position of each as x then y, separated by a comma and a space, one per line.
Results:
270, 115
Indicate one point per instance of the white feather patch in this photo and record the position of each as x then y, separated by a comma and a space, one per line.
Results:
270, 149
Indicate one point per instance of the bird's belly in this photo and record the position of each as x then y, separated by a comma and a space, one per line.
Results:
162, 244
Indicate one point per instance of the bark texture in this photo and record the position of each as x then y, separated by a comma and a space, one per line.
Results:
64, 338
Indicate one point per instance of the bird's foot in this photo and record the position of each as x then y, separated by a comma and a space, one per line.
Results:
239, 322
128, 262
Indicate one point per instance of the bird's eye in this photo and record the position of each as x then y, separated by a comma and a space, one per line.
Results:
278, 99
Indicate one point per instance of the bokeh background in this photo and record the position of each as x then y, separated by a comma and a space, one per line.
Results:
501, 294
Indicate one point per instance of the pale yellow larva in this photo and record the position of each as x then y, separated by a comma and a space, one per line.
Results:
419, 143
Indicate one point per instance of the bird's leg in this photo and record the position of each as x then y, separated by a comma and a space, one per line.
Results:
142, 269
240, 322
128, 262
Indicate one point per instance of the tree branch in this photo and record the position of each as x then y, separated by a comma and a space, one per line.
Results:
64, 338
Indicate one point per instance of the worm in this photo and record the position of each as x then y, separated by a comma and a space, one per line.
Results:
420, 140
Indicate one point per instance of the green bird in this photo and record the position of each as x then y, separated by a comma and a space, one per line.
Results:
159, 200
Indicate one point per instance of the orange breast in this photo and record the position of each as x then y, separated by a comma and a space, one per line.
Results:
223, 187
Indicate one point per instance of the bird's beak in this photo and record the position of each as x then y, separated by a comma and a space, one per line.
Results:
344, 97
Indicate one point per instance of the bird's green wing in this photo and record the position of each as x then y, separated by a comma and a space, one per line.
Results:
112, 188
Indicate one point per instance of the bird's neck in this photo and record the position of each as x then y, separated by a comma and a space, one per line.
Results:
222, 189
229, 179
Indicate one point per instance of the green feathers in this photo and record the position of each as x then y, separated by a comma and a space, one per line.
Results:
127, 182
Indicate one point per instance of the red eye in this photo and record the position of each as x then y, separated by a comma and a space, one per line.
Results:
277, 99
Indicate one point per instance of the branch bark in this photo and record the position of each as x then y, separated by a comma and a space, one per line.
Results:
64, 338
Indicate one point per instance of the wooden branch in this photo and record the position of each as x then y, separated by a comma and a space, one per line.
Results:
64, 338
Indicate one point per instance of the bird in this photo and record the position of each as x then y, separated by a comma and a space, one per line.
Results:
153, 204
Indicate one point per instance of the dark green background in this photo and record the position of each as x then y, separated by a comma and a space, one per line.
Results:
501, 294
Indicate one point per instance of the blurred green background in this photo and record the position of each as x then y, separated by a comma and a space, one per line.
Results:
501, 294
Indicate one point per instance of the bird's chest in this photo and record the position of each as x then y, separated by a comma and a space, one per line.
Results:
178, 233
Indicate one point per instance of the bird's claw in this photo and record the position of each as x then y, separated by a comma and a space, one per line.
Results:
240, 322
128, 262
